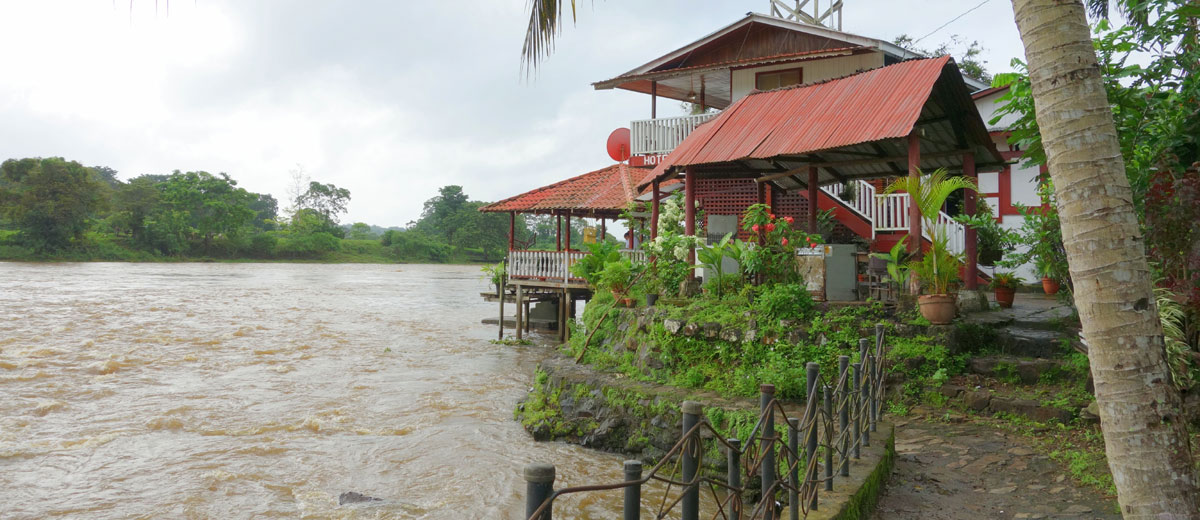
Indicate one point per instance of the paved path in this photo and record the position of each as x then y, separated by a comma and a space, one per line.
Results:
974, 471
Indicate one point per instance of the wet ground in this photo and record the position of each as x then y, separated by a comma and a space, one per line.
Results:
958, 470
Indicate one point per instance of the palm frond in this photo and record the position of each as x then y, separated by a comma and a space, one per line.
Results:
545, 22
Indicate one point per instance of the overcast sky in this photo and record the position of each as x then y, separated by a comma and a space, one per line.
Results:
388, 98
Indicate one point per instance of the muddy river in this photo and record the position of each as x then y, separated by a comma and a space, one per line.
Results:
265, 390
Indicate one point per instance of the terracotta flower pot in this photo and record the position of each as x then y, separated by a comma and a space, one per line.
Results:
939, 309
1005, 296
1049, 285
628, 302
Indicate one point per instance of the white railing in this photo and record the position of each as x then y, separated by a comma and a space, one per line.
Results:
659, 136
553, 266
890, 213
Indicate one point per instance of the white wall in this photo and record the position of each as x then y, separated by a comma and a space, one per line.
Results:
819, 70
1023, 180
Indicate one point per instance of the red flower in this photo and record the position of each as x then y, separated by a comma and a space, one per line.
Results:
754, 228
772, 215
789, 220
770, 227
785, 242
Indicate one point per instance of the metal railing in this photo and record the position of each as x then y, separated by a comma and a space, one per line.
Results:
554, 265
889, 212
658, 136
788, 474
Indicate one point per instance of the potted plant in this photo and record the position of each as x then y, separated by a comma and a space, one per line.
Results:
616, 276
652, 285
938, 269
1005, 285
1049, 284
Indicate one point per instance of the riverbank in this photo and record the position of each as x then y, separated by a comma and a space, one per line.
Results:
349, 252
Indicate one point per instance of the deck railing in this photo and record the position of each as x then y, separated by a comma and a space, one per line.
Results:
889, 212
659, 136
553, 266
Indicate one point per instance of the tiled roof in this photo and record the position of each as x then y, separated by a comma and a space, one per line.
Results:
607, 190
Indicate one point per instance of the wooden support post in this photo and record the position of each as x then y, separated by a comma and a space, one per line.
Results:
629, 237
653, 100
654, 209
914, 213
603, 230
512, 229
521, 317
557, 231
971, 237
812, 199
703, 101
500, 296
689, 215
526, 314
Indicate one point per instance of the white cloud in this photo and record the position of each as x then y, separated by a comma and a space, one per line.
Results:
389, 99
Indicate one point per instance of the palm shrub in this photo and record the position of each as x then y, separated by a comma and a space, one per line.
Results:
938, 270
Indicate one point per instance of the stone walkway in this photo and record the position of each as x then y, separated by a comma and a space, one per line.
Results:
952, 471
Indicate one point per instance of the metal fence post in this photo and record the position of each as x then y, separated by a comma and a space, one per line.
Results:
766, 397
856, 418
734, 478
691, 464
539, 484
844, 411
633, 494
794, 472
813, 374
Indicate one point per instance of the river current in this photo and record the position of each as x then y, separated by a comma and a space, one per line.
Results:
266, 390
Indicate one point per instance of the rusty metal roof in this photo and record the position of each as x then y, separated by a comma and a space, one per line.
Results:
847, 121
604, 192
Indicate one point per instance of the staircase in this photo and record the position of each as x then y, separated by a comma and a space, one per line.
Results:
889, 213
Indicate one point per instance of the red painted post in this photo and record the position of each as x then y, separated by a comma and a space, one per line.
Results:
762, 199
603, 231
971, 237
812, 199
654, 209
689, 214
557, 231
512, 229
914, 213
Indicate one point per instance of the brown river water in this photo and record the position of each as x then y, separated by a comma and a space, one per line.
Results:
265, 391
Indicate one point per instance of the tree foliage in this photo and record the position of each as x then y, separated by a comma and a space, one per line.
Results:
50, 200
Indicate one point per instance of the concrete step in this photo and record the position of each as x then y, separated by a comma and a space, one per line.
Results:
1034, 343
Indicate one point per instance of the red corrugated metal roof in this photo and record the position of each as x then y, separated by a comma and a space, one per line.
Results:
883, 103
878, 104
607, 190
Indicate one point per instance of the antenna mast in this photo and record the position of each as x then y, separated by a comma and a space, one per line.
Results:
810, 12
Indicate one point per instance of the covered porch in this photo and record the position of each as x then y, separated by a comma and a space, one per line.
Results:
899, 120
545, 274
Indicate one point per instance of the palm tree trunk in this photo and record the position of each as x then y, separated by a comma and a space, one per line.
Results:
1144, 435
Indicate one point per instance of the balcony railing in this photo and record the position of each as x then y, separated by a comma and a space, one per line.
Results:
660, 136
553, 266
889, 212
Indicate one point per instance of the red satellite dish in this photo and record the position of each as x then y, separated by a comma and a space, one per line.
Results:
618, 144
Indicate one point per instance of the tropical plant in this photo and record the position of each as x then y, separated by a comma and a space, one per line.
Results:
599, 255
897, 262
1006, 281
992, 238
616, 275
929, 194
711, 258
1184, 369
495, 273
773, 260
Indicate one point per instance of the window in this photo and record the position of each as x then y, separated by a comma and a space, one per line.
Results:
778, 78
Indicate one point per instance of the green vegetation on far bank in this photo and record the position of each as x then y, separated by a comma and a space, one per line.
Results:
53, 210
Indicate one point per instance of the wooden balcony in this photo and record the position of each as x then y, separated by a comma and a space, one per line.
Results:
660, 136
553, 267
